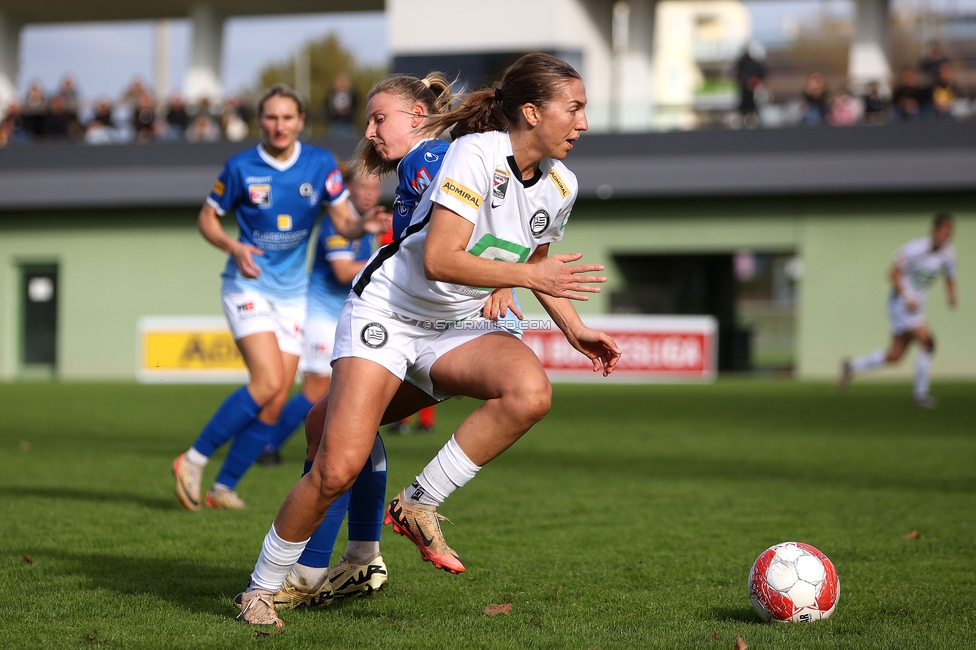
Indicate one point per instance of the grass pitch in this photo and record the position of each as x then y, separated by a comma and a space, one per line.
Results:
628, 518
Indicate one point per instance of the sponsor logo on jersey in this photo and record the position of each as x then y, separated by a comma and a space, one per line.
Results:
307, 190
257, 179
499, 186
399, 206
336, 241
284, 222
539, 223
260, 195
333, 183
462, 193
374, 335
219, 188
430, 156
558, 182
421, 181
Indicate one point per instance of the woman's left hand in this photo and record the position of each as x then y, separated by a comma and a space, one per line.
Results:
499, 303
598, 347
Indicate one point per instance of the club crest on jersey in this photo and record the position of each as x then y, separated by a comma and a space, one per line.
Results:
333, 183
307, 190
539, 223
374, 335
499, 186
260, 195
399, 206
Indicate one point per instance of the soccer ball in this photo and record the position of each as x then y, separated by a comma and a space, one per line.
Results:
793, 582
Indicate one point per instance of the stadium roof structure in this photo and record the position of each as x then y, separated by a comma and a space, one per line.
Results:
935, 157
60, 11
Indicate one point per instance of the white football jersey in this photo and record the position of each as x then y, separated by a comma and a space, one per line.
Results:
480, 181
920, 265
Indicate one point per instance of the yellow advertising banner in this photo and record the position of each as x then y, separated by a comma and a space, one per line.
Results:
188, 349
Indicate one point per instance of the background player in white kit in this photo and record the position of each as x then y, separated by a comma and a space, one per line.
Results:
917, 266
416, 310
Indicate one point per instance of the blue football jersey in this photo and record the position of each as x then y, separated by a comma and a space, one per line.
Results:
276, 204
415, 172
325, 293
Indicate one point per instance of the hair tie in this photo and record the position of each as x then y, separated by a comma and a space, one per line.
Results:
426, 82
498, 95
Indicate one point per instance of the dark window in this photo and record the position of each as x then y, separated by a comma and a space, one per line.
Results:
39, 297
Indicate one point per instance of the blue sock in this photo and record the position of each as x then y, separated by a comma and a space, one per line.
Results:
368, 497
244, 451
319, 549
291, 416
237, 411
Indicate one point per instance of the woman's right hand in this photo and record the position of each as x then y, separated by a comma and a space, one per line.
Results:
243, 255
556, 277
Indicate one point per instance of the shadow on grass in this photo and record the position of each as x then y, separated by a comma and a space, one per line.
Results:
736, 615
195, 586
93, 496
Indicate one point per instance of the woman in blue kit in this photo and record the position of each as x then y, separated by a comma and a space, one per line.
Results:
397, 106
277, 191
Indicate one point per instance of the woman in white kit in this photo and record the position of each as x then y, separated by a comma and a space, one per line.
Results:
917, 265
500, 198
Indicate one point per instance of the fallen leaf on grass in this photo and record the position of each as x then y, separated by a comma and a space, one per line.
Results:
28, 559
24, 445
715, 636
739, 643
915, 535
277, 630
495, 610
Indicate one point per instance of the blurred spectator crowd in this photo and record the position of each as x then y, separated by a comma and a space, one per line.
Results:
137, 116
927, 91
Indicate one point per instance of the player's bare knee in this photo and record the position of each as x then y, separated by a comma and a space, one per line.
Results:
533, 399
929, 344
265, 388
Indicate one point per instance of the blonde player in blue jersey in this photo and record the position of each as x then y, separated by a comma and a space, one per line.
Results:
277, 191
416, 311
404, 102
917, 266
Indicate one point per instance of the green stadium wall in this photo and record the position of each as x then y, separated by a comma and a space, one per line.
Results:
116, 266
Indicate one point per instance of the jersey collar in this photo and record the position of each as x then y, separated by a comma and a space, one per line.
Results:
424, 141
277, 164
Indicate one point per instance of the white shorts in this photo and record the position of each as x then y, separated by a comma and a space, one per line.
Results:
319, 343
406, 347
902, 320
249, 313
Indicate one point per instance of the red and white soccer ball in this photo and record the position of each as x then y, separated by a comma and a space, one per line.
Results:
793, 582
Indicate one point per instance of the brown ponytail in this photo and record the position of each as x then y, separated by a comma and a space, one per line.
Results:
533, 79
433, 92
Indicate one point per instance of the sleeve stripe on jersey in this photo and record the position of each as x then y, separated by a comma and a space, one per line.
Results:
387, 252
216, 206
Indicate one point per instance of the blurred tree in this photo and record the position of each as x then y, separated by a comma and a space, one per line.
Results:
324, 60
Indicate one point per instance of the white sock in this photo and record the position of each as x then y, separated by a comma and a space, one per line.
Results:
310, 576
450, 469
276, 560
221, 486
361, 552
923, 372
196, 457
868, 361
